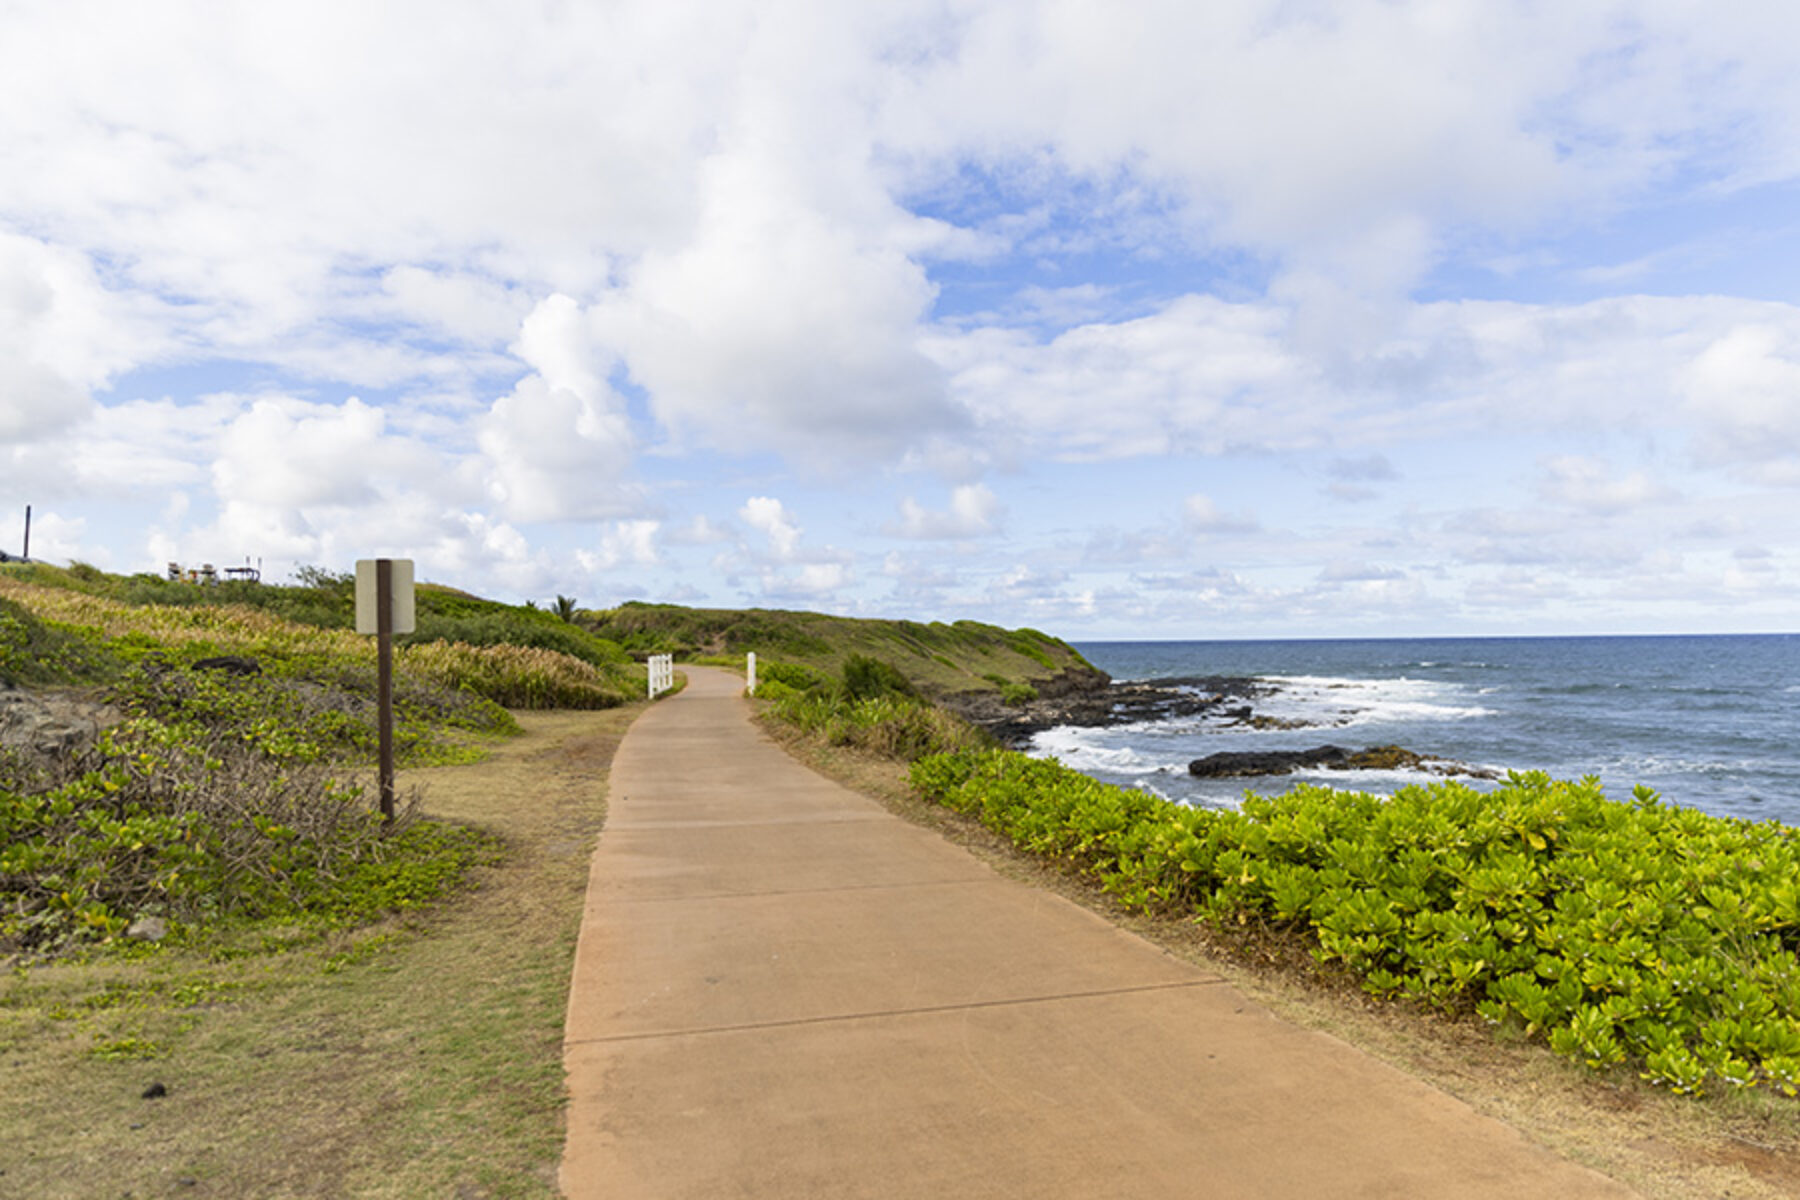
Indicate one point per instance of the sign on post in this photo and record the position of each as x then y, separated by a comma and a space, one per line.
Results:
399, 590
384, 607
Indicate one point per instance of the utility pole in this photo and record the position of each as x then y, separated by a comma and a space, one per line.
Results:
27, 554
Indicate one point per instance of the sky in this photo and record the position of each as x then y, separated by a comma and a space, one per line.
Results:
1138, 319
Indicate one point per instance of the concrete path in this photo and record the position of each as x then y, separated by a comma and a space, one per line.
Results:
783, 991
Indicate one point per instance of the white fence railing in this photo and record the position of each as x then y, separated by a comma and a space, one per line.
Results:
750, 674
662, 674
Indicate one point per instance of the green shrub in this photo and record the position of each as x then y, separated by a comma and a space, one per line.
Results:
891, 726
793, 675
1016, 694
309, 712
198, 829
1633, 933
866, 678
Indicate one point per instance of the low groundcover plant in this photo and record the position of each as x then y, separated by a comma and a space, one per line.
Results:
1631, 932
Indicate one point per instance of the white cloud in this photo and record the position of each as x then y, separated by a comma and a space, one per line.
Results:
289, 454
973, 512
1588, 484
1167, 383
698, 531
559, 446
62, 336
1200, 514
622, 542
458, 305
1744, 389
819, 578
767, 515
777, 326
596, 273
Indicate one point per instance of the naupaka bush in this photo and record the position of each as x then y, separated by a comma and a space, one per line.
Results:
1622, 932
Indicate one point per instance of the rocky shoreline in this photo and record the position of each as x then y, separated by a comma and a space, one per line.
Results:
1086, 698
1090, 699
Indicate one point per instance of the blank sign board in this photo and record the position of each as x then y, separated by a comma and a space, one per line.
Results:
401, 590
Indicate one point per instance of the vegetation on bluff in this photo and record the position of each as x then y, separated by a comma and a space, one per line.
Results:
936, 659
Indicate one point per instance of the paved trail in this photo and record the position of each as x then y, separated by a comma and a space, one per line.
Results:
783, 991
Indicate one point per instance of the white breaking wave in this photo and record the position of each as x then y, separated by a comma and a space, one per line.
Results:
1081, 750
1328, 701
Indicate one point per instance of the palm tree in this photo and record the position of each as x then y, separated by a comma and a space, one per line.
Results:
565, 608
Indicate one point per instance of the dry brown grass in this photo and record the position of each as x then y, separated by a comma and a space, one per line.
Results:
421, 1058
1668, 1148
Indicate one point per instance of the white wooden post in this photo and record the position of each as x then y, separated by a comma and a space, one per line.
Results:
661, 673
750, 671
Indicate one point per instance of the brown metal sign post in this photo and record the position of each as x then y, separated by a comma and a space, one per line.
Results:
384, 607
384, 684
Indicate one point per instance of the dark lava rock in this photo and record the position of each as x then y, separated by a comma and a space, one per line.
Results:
1231, 764
155, 1091
1088, 698
230, 664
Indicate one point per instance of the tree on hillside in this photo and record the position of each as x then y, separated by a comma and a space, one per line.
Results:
565, 608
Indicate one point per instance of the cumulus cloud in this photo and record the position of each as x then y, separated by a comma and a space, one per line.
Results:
778, 326
554, 250
769, 516
290, 454
62, 336
1177, 380
973, 512
622, 542
559, 445
1743, 388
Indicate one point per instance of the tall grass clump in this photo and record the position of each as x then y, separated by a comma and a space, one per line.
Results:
32, 651
1624, 934
131, 630
539, 631
897, 727
521, 676
871, 707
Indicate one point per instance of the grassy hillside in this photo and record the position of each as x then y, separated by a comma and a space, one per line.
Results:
938, 659
324, 600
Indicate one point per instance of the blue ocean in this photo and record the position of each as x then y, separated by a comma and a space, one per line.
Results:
1708, 722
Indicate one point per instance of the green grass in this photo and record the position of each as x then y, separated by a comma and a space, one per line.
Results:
418, 1054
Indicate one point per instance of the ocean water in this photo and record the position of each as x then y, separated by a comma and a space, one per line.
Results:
1708, 722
